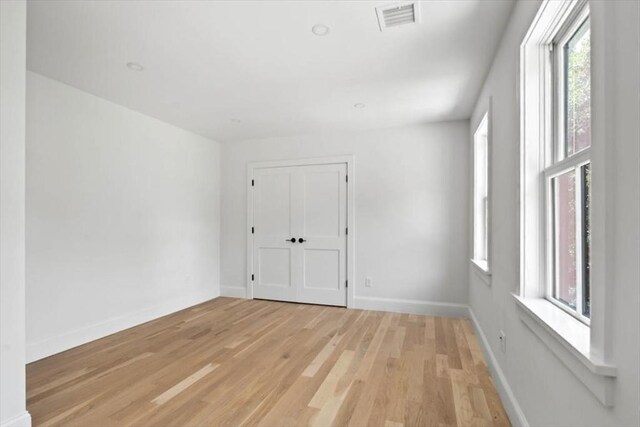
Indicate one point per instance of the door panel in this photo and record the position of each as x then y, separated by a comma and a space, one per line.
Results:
274, 267
322, 203
274, 213
316, 273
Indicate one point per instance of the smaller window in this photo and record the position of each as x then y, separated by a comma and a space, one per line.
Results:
481, 195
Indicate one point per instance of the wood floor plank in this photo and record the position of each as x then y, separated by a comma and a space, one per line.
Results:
461, 398
452, 345
231, 362
330, 396
387, 365
328, 387
313, 368
184, 384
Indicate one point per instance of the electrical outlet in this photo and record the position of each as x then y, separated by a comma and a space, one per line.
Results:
367, 282
503, 341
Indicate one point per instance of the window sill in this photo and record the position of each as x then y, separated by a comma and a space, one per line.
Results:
570, 340
481, 269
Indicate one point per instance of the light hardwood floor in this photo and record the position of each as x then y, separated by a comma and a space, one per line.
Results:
239, 362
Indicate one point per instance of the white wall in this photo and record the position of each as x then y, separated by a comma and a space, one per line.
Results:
13, 21
547, 392
410, 208
122, 217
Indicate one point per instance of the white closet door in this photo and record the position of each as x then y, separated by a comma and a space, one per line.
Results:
307, 204
323, 214
274, 262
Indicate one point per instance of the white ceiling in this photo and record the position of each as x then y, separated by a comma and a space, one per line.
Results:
208, 63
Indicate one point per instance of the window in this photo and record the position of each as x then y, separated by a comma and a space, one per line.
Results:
563, 284
568, 172
481, 195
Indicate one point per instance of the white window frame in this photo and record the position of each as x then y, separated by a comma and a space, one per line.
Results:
557, 163
481, 141
583, 349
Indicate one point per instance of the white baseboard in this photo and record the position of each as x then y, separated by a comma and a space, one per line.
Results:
233, 291
21, 420
47, 347
511, 405
411, 306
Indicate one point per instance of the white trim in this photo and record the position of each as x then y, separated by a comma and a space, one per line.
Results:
482, 271
249, 267
511, 405
603, 130
430, 308
568, 330
345, 159
332, 160
569, 340
233, 291
21, 420
53, 345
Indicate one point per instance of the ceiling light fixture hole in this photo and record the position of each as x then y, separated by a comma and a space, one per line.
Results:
359, 105
320, 30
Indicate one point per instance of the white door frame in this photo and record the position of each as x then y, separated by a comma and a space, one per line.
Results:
346, 159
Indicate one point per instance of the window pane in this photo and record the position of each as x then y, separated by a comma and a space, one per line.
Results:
586, 236
577, 59
564, 187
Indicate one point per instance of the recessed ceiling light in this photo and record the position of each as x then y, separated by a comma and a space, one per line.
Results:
133, 66
320, 30
359, 105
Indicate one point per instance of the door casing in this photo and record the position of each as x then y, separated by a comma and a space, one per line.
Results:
346, 159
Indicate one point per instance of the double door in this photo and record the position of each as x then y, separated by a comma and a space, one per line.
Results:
299, 233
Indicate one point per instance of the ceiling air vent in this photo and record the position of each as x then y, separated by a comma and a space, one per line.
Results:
397, 14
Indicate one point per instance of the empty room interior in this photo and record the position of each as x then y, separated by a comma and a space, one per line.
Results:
323, 213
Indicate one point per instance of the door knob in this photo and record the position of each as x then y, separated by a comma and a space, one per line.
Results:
292, 240
301, 240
